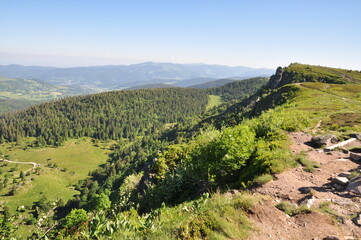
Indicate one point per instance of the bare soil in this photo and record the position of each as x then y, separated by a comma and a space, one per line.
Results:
297, 186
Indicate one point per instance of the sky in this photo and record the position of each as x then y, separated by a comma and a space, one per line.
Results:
254, 33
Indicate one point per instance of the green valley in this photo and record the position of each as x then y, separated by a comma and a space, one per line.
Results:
17, 94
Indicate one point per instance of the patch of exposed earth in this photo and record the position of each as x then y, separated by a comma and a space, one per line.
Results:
299, 187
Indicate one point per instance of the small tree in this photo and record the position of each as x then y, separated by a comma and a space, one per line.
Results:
13, 190
99, 202
75, 218
22, 176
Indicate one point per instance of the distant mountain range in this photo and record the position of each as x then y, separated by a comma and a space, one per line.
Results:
216, 83
124, 76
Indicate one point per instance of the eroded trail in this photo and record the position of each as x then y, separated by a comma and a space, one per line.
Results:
291, 186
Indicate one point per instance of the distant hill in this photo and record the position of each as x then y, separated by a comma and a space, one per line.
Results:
215, 83
192, 81
150, 86
121, 76
17, 94
238, 90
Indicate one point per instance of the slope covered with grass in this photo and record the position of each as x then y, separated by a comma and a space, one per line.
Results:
320, 73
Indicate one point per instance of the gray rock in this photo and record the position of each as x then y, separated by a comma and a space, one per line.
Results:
355, 156
356, 135
331, 238
357, 220
344, 174
342, 181
275, 80
309, 202
323, 140
354, 185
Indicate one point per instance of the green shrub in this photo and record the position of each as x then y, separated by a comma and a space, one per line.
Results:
353, 174
99, 202
262, 179
245, 201
292, 210
75, 218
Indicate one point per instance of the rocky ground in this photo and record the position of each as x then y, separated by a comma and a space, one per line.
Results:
334, 210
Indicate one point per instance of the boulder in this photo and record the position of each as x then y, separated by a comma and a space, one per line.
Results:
354, 185
356, 135
323, 140
344, 174
331, 238
355, 156
341, 181
357, 220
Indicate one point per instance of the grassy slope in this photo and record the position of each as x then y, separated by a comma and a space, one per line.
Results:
218, 217
331, 103
78, 157
348, 76
213, 101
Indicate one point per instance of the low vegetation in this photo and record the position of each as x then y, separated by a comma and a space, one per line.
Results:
291, 209
310, 73
308, 165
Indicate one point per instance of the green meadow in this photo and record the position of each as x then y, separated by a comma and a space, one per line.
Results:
60, 168
213, 101
337, 105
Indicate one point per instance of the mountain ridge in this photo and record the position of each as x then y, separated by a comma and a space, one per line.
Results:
121, 76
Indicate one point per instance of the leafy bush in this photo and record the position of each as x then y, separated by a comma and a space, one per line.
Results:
99, 202
227, 154
75, 218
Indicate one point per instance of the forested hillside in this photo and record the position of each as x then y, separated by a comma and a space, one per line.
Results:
110, 115
238, 90
215, 83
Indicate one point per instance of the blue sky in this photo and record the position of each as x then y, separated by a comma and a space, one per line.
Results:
257, 33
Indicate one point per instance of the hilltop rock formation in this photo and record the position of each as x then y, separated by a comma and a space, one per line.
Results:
280, 78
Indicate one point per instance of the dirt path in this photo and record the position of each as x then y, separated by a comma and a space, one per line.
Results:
31, 163
290, 186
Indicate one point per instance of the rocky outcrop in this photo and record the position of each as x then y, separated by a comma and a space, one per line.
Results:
356, 135
354, 185
355, 156
281, 78
323, 140
341, 181
276, 79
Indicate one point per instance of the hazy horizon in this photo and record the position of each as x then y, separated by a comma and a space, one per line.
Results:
257, 34
138, 63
